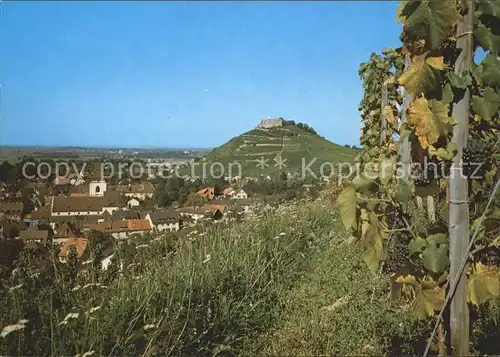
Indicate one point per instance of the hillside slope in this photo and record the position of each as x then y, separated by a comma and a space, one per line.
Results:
258, 151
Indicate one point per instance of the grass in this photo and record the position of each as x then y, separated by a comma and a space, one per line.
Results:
339, 308
191, 295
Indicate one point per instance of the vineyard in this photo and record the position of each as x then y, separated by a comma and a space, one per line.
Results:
430, 127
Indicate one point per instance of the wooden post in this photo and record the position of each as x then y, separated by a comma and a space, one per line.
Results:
383, 119
431, 209
420, 204
405, 148
459, 209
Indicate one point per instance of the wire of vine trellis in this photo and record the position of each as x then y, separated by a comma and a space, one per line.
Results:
463, 263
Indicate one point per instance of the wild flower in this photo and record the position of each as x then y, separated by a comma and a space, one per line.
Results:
15, 327
208, 257
15, 287
94, 309
70, 316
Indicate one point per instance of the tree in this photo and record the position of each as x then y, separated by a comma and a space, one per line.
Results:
195, 199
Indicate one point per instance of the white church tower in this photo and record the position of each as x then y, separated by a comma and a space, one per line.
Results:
97, 188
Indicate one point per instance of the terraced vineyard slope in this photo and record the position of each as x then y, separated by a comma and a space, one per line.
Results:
271, 151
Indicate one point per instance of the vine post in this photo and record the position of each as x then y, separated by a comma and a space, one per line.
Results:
405, 148
459, 209
383, 119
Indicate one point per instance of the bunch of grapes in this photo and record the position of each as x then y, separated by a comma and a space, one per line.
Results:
489, 255
476, 158
398, 247
422, 174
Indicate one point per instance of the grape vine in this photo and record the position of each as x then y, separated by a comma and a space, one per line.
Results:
373, 205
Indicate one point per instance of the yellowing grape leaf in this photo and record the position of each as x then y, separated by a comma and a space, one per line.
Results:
372, 242
427, 301
347, 205
483, 283
389, 115
430, 120
427, 295
432, 21
424, 75
442, 153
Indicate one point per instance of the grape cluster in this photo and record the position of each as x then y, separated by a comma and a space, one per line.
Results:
476, 158
398, 248
422, 174
489, 255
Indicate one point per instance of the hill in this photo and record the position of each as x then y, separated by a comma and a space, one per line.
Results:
269, 151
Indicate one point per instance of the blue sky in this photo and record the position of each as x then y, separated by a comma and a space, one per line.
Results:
183, 74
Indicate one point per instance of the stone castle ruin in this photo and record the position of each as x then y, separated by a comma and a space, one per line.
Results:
271, 123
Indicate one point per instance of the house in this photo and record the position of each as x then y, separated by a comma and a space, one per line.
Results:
228, 192
12, 211
141, 191
79, 190
240, 195
164, 220
86, 206
34, 235
65, 232
193, 213
39, 252
208, 193
76, 206
78, 244
38, 216
123, 229
120, 215
133, 202
12, 229
205, 211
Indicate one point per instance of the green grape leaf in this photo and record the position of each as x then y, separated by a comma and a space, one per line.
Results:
435, 259
447, 93
439, 238
363, 183
347, 205
487, 40
404, 191
387, 169
487, 105
462, 80
489, 7
424, 75
430, 120
483, 284
432, 21
417, 245
488, 71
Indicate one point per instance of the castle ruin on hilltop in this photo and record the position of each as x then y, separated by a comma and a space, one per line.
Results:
271, 123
